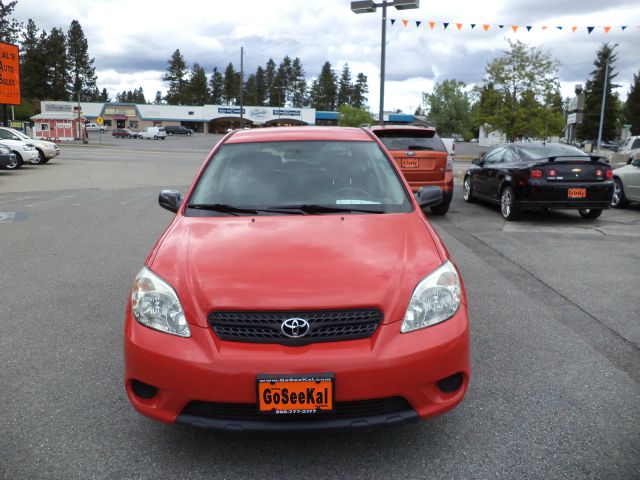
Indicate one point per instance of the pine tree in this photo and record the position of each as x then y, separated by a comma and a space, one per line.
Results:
231, 85
360, 90
250, 91
588, 129
9, 27
283, 80
216, 85
175, 75
83, 73
104, 96
324, 92
299, 84
198, 90
158, 99
345, 87
632, 106
58, 68
33, 71
269, 83
260, 88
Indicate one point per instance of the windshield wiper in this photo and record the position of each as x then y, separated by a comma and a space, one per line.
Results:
314, 208
232, 210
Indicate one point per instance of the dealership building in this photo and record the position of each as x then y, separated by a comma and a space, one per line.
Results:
64, 117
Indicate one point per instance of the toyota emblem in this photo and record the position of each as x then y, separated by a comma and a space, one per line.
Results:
295, 327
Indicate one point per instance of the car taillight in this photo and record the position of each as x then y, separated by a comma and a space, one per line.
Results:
449, 167
536, 173
609, 174
552, 173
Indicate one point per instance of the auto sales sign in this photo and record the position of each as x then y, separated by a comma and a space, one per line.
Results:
9, 74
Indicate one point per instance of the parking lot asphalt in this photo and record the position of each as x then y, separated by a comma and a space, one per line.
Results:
554, 313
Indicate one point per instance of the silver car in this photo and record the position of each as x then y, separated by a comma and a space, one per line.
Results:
626, 184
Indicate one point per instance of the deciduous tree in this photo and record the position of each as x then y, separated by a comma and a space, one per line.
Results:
448, 107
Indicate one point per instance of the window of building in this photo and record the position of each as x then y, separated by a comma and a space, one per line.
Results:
133, 124
44, 127
157, 124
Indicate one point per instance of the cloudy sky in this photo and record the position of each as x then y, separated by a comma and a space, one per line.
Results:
131, 40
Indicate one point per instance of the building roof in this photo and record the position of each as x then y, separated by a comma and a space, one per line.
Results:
56, 116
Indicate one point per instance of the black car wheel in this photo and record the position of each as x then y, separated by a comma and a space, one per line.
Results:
39, 160
188, 134
509, 212
590, 213
441, 209
16, 164
466, 190
618, 200
170, 134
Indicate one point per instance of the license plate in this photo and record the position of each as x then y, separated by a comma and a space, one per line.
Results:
577, 193
295, 394
409, 163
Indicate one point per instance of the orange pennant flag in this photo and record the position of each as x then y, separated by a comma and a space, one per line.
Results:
544, 27
514, 28
405, 22
606, 29
432, 25
486, 27
459, 25
573, 29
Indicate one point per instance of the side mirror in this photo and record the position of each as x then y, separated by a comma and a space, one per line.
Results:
478, 161
170, 200
429, 196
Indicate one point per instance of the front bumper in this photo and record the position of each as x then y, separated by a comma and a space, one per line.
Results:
28, 155
203, 368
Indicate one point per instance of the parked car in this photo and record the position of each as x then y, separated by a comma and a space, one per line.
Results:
153, 132
422, 157
46, 150
299, 286
94, 127
628, 150
124, 133
7, 157
24, 150
626, 184
526, 176
178, 130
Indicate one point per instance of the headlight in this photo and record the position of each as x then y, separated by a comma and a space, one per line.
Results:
435, 299
155, 304
29, 147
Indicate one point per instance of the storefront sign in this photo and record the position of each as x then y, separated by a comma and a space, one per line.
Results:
286, 113
58, 107
232, 111
9, 74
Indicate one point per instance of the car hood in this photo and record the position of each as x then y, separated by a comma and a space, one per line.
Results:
296, 262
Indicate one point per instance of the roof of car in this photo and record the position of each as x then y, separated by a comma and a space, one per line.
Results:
283, 134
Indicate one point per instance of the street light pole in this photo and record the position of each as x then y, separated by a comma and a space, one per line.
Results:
367, 6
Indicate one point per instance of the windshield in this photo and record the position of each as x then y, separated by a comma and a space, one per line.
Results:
341, 176
535, 152
19, 134
410, 140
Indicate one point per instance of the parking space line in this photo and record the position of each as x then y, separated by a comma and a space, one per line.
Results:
92, 201
15, 199
135, 198
49, 201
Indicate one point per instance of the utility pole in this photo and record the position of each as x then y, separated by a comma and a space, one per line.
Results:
241, 81
604, 95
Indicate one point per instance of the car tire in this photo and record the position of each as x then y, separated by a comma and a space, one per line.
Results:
188, 134
441, 209
170, 134
39, 160
590, 213
508, 211
155, 137
17, 164
466, 190
618, 200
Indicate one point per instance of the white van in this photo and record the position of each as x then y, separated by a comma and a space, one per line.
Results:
94, 127
153, 132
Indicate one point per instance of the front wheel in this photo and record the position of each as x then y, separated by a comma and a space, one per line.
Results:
618, 200
466, 190
39, 160
509, 212
17, 163
590, 213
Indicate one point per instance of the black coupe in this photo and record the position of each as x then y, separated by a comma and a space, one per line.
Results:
528, 176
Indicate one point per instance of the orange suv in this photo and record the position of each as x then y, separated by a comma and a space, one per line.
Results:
422, 157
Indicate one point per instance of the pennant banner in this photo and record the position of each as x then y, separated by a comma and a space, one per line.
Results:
515, 28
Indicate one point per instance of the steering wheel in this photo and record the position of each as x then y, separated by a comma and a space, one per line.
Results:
345, 190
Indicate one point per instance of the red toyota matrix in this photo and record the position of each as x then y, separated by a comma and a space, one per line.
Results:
299, 286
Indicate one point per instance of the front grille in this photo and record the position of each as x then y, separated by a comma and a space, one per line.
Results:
324, 325
342, 410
